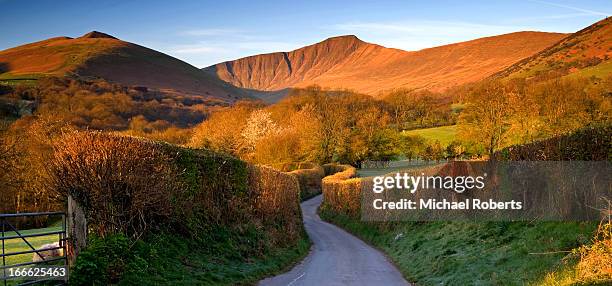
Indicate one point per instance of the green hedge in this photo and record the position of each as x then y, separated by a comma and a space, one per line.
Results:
593, 143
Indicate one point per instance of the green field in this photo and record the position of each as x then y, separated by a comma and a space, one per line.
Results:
393, 167
600, 71
444, 134
17, 244
22, 79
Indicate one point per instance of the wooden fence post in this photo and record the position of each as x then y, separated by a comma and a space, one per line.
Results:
77, 230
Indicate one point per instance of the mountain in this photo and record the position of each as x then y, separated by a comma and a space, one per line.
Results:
348, 62
585, 52
98, 55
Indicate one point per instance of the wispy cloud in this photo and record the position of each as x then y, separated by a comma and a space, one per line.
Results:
207, 46
195, 49
423, 27
552, 17
415, 35
578, 9
228, 47
211, 32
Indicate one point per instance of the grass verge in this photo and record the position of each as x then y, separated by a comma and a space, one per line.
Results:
169, 259
466, 253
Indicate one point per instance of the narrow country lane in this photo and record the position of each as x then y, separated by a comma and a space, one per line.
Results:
337, 258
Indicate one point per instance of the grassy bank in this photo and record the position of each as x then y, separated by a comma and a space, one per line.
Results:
465, 253
168, 259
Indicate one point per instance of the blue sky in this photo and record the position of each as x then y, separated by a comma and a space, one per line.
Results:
206, 32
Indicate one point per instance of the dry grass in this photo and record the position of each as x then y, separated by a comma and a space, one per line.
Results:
595, 263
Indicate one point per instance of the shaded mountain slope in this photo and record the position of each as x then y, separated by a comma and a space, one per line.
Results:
99, 55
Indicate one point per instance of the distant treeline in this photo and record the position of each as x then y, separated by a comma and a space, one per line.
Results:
101, 105
501, 113
320, 125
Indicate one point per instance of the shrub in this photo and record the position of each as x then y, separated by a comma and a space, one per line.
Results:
276, 203
122, 183
103, 262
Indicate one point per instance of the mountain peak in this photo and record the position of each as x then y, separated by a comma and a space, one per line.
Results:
96, 34
343, 39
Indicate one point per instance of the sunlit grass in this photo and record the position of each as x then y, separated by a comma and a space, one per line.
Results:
394, 166
17, 244
444, 134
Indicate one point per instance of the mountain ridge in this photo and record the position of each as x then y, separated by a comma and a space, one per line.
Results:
371, 68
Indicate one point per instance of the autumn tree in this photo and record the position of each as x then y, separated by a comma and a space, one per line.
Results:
223, 130
486, 119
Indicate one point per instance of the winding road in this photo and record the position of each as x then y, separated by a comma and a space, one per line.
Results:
336, 258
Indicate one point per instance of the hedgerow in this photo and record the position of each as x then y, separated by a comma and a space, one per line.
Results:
592, 143
134, 187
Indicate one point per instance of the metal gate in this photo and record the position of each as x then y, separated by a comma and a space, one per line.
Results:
11, 233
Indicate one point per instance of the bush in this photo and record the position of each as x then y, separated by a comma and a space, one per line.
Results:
130, 188
103, 262
122, 183
276, 203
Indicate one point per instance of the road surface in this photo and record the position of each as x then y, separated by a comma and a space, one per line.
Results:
336, 258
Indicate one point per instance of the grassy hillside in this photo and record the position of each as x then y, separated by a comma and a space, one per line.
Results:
444, 134
98, 55
585, 49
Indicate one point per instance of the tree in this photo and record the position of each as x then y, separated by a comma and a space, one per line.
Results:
222, 131
433, 152
486, 119
258, 125
412, 146
455, 150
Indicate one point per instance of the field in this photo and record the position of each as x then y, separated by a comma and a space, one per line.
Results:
17, 244
600, 71
394, 166
22, 79
444, 134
